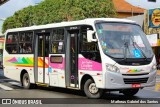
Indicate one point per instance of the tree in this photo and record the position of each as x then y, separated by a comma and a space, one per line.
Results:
51, 11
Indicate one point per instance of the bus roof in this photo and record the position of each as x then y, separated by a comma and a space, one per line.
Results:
88, 21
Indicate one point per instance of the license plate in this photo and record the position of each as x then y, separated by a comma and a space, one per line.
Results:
136, 85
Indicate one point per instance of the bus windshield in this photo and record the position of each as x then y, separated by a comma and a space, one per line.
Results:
123, 40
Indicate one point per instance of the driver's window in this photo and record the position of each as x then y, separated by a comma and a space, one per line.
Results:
89, 50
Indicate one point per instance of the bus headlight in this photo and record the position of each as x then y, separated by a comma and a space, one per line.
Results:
112, 68
154, 67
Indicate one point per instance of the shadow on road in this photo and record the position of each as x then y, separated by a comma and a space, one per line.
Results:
107, 95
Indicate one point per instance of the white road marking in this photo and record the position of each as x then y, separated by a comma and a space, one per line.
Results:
15, 83
5, 87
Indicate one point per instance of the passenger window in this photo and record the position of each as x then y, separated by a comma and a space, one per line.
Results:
58, 41
25, 42
89, 50
12, 38
26, 37
12, 43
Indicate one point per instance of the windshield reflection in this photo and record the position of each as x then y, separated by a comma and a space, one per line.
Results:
120, 40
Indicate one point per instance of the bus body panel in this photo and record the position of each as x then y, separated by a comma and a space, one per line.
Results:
40, 70
57, 71
47, 71
15, 64
115, 81
1, 50
146, 77
91, 68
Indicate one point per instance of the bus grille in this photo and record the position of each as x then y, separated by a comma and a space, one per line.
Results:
135, 80
135, 74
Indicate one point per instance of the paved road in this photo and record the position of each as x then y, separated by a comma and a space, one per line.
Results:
1, 72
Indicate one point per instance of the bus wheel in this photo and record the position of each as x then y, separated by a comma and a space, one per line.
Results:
26, 81
91, 90
130, 92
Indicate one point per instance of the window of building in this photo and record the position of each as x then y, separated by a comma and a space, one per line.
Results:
12, 43
57, 41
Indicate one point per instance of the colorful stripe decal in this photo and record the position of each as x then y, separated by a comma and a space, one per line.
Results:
133, 71
27, 62
83, 63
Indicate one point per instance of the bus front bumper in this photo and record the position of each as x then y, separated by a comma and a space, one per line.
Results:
115, 80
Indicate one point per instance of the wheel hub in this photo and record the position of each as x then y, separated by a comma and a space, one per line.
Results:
26, 81
92, 88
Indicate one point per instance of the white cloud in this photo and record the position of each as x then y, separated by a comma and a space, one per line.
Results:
144, 4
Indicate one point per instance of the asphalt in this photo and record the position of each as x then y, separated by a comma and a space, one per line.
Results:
68, 97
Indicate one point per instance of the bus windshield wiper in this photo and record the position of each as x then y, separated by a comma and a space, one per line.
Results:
126, 47
134, 43
125, 50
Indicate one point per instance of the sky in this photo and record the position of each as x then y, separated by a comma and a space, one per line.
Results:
11, 6
145, 4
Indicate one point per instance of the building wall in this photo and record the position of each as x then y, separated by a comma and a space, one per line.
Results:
125, 15
139, 19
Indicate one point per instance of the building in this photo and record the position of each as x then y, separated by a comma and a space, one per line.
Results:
124, 9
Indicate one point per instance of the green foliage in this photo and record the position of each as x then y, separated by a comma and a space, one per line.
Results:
51, 11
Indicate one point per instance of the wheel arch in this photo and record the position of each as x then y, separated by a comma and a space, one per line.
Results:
21, 75
84, 79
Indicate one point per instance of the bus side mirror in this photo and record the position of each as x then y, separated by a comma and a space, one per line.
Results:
90, 35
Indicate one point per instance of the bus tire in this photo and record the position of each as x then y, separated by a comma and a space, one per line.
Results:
91, 90
130, 92
26, 82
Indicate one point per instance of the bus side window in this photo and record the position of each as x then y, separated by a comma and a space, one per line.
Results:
58, 41
11, 43
89, 50
25, 42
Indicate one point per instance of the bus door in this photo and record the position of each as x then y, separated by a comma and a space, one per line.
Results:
71, 71
42, 57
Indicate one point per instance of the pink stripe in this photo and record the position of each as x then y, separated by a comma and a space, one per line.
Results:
57, 65
83, 64
86, 64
